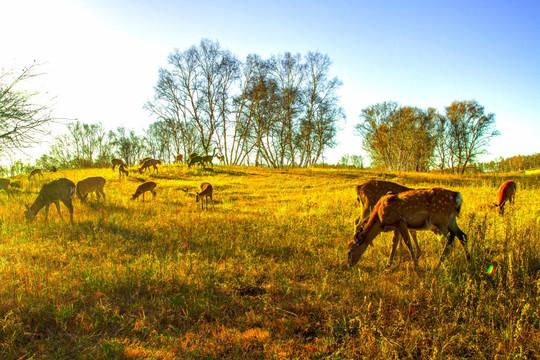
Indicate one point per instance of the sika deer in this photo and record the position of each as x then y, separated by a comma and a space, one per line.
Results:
147, 186
433, 209
89, 185
205, 193
117, 162
35, 173
369, 193
143, 160
122, 171
148, 163
507, 192
53, 192
4, 185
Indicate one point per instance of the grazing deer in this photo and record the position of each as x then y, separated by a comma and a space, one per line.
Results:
143, 160
35, 173
369, 193
179, 158
89, 185
205, 193
507, 192
117, 162
122, 170
433, 209
147, 186
4, 185
148, 163
53, 192
195, 159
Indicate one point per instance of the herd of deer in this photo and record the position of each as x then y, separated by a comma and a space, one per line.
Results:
386, 206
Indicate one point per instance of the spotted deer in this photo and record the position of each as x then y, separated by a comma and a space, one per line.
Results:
122, 171
507, 192
148, 163
204, 194
433, 209
148, 186
369, 193
5, 185
52, 192
35, 173
90, 185
117, 162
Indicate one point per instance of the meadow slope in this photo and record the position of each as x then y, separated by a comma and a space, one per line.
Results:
263, 274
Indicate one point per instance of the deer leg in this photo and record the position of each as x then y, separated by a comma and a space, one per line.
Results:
395, 242
47, 213
69, 205
449, 241
415, 240
404, 231
57, 204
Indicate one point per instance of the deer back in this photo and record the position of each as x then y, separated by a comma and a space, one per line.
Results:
420, 208
506, 191
147, 186
89, 185
369, 193
60, 189
206, 189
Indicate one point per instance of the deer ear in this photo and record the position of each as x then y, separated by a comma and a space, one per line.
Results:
496, 205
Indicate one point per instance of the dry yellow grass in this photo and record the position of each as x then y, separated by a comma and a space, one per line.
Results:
263, 275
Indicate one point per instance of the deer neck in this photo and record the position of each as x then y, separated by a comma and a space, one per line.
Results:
38, 204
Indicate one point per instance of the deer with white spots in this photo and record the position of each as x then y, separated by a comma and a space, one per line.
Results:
369, 193
433, 209
507, 192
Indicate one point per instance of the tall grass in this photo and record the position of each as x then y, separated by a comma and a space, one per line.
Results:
264, 274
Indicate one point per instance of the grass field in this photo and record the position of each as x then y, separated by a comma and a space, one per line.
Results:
263, 274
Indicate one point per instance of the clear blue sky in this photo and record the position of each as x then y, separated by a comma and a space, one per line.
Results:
101, 58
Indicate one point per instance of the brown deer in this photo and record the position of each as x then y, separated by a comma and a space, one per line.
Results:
122, 170
117, 162
4, 185
205, 193
148, 163
143, 160
147, 186
53, 192
369, 193
179, 158
507, 192
35, 173
90, 185
433, 209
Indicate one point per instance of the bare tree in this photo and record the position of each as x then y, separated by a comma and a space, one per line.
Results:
23, 123
322, 111
469, 132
